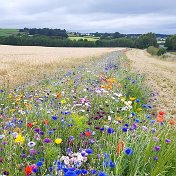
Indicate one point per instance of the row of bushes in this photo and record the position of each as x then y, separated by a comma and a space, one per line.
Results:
156, 51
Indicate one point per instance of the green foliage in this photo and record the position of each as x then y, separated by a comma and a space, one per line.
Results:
146, 40
45, 31
171, 42
152, 50
161, 51
156, 51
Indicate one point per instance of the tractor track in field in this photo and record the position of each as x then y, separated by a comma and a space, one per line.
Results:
161, 77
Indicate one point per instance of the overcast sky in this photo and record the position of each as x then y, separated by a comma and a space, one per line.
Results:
125, 16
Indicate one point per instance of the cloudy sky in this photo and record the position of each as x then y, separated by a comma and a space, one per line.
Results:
125, 16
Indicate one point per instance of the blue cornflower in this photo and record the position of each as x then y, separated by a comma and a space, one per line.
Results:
124, 129
89, 151
133, 114
102, 174
149, 107
102, 129
128, 151
144, 106
84, 171
93, 172
35, 170
110, 130
78, 172
39, 164
137, 120
54, 117
147, 116
50, 132
137, 100
70, 173
111, 164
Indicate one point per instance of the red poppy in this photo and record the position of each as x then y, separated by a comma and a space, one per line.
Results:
161, 113
160, 118
171, 122
88, 134
29, 125
28, 170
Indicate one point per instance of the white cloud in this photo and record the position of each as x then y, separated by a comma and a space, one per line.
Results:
137, 16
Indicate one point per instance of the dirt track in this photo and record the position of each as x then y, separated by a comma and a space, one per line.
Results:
161, 76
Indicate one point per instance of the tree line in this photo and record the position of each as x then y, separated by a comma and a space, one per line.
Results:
59, 38
45, 31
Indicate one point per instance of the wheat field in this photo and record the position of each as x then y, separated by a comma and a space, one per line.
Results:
21, 64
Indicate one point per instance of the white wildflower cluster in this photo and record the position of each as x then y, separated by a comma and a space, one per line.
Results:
74, 159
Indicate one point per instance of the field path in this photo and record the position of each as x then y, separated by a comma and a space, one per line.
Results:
161, 77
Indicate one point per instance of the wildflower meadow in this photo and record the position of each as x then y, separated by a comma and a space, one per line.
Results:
94, 119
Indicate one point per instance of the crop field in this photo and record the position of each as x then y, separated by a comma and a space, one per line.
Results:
89, 38
7, 32
27, 63
93, 117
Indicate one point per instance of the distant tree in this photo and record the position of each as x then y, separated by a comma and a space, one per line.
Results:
146, 40
117, 35
171, 42
97, 34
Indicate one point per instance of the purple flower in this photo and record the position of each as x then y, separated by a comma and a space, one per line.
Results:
47, 140
23, 155
1, 160
168, 141
157, 148
32, 151
37, 130
155, 158
155, 139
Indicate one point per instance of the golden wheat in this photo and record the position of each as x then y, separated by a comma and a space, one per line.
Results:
20, 64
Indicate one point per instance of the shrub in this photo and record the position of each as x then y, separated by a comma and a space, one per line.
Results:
161, 51
152, 50
156, 51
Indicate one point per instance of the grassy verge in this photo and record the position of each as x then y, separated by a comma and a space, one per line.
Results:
91, 120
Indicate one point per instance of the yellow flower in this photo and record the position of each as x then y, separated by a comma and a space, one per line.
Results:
132, 98
63, 101
19, 139
139, 109
12, 110
118, 118
17, 129
58, 140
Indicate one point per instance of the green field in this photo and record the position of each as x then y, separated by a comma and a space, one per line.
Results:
89, 38
7, 32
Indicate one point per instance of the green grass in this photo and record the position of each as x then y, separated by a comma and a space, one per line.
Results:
89, 38
7, 32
